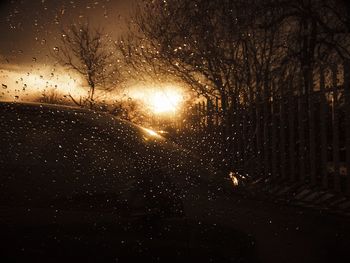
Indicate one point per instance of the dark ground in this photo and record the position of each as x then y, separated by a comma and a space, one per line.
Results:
285, 233
278, 232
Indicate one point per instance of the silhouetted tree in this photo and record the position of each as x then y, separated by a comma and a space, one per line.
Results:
87, 52
245, 53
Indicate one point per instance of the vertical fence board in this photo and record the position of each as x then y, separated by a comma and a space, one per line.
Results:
209, 116
347, 116
291, 139
323, 131
203, 115
252, 124
234, 130
240, 120
198, 111
301, 133
258, 135
335, 129
274, 139
266, 141
312, 137
245, 139
282, 135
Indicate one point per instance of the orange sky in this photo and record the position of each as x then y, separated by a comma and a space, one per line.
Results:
22, 82
30, 82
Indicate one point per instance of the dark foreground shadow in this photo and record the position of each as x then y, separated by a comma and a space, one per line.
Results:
141, 240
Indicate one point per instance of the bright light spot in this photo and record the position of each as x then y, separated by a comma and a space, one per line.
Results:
234, 178
162, 132
151, 135
151, 132
166, 101
163, 100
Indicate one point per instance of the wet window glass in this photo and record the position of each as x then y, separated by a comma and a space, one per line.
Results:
174, 130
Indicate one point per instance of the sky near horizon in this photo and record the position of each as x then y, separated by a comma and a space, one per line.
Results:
30, 29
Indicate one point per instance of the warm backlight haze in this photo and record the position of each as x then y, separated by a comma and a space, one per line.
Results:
28, 84
166, 100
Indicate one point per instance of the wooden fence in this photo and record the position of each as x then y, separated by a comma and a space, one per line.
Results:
289, 135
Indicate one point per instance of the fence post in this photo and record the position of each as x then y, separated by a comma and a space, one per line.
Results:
258, 133
335, 128
323, 130
216, 111
301, 132
347, 116
198, 117
203, 115
282, 135
274, 133
209, 114
238, 132
291, 118
252, 128
312, 137
245, 139
266, 142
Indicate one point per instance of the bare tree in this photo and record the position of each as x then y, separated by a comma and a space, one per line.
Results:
241, 52
190, 40
86, 51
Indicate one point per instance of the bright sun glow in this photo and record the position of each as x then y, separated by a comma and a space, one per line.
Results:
165, 101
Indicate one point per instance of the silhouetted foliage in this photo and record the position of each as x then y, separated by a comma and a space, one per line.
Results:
250, 58
86, 51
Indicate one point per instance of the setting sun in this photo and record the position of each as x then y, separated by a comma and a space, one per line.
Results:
166, 101
160, 100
